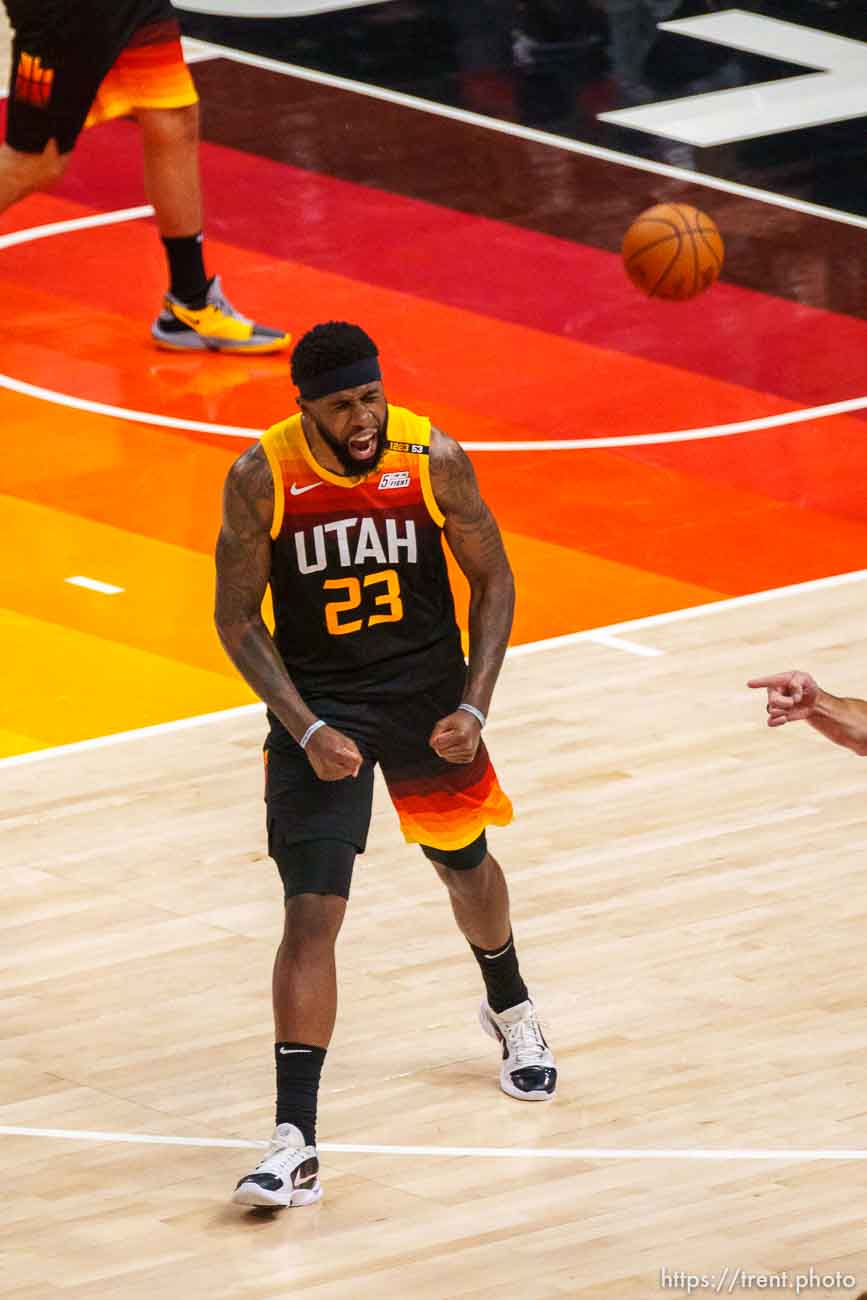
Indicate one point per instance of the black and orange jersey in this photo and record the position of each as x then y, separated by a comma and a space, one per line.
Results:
362, 601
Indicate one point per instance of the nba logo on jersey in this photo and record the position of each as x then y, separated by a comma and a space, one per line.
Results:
395, 479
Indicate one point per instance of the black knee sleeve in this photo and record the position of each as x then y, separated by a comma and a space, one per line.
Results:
464, 859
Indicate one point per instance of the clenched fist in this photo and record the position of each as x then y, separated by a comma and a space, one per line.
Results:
456, 737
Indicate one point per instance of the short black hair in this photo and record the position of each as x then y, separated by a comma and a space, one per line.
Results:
327, 347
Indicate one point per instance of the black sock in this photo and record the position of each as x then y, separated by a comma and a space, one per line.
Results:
499, 967
299, 1067
187, 270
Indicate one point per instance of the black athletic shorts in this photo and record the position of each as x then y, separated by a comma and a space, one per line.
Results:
440, 804
63, 53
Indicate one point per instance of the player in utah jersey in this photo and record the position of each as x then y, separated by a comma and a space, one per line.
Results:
341, 509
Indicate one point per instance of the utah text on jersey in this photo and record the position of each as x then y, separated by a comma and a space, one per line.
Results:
355, 541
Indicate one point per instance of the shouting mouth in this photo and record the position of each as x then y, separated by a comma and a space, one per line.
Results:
364, 446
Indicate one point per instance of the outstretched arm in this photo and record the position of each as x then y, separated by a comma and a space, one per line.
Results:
243, 569
796, 697
475, 541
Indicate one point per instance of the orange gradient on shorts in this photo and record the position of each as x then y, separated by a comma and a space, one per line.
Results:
144, 76
468, 799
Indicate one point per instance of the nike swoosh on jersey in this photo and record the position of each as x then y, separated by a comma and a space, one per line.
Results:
297, 491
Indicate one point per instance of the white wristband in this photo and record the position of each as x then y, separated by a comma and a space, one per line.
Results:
477, 713
314, 726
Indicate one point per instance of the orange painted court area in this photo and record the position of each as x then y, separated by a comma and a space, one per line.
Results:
595, 537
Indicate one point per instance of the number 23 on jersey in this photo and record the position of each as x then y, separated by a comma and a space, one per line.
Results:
376, 598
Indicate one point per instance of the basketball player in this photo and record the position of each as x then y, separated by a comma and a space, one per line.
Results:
796, 697
341, 509
76, 64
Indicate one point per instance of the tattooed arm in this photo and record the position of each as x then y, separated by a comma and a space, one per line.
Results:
243, 570
475, 541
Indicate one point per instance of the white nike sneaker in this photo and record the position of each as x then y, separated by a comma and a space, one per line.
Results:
288, 1175
529, 1070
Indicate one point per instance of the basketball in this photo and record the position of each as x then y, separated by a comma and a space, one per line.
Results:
673, 251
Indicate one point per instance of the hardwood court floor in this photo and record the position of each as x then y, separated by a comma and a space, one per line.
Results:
685, 884
686, 887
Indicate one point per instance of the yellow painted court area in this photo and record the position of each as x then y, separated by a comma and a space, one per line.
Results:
87, 664
73, 685
166, 604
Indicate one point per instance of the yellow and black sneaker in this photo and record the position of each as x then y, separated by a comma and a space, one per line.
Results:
216, 327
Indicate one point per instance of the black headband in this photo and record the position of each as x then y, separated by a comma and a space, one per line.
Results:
365, 371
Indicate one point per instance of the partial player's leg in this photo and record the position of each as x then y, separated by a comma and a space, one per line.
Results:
24, 173
149, 79
480, 901
196, 314
316, 874
170, 145
445, 808
304, 983
304, 988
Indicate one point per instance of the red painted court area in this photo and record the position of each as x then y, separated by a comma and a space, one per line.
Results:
498, 333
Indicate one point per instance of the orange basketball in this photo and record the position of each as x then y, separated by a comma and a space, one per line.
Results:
673, 251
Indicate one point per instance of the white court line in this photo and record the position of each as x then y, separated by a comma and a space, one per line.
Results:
680, 615
237, 431
680, 435
122, 412
196, 51
94, 584
138, 733
514, 652
620, 643
537, 137
74, 223
240, 431
563, 444
82, 403
210, 50
496, 1153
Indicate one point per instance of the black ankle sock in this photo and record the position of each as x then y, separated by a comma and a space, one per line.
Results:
187, 270
499, 967
299, 1067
